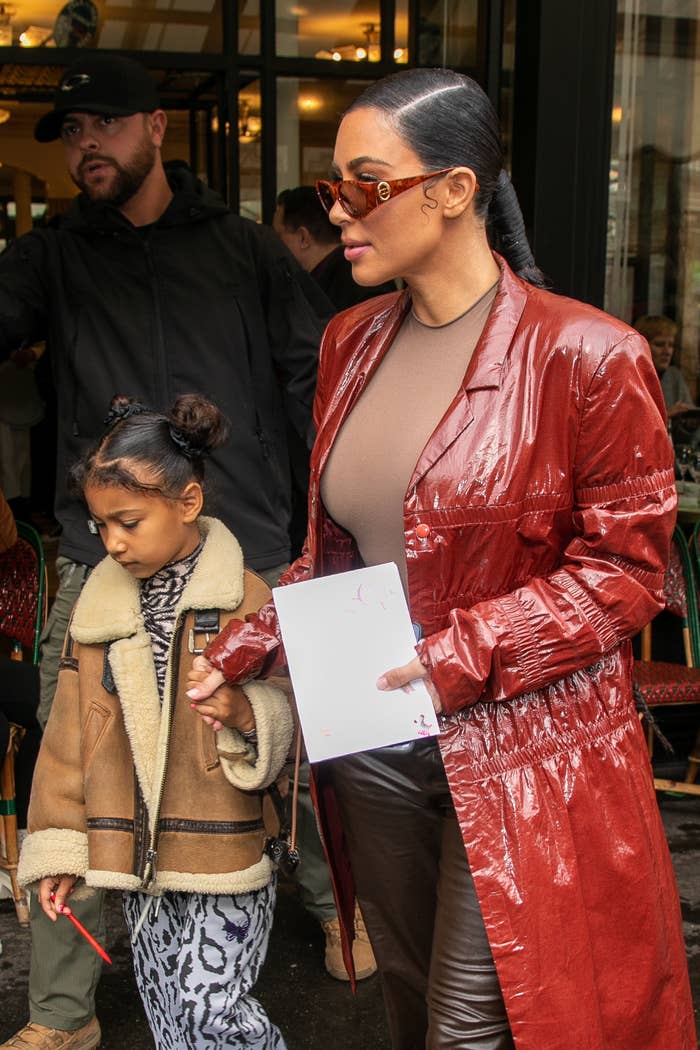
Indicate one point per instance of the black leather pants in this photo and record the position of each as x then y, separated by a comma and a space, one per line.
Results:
417, 896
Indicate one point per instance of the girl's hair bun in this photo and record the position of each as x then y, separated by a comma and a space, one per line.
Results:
196, 425
122, 407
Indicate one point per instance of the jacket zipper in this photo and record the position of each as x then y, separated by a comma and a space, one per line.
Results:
150, 870
162, 384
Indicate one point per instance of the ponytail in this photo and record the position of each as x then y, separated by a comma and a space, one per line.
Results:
508, 225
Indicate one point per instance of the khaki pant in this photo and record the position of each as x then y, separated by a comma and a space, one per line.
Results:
71, 577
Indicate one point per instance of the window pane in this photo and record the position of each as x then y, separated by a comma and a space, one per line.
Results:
401, 32
133, 25
249, 27
347, 30
447, 33
308, 114
653, 257
507, 75
249, 135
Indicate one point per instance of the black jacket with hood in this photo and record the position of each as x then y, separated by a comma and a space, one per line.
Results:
202, 300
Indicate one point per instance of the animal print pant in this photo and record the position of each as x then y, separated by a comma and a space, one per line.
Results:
196, 958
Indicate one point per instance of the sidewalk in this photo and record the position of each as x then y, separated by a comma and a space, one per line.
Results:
314, 1011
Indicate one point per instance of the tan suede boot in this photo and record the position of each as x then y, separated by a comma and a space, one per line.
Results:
362, 954
38, 1037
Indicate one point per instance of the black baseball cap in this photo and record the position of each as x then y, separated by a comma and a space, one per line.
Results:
109, 84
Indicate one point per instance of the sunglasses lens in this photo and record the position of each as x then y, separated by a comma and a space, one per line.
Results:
353, 200
325, 193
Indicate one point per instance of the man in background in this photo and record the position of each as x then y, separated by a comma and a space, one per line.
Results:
302, 223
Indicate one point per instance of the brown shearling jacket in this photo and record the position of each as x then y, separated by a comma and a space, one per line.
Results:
131, 794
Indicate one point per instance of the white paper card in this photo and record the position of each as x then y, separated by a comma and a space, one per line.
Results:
340, 634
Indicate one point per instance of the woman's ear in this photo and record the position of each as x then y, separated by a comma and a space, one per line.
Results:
191, 501
460, 190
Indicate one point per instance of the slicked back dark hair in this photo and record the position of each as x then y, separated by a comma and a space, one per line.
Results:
448, 121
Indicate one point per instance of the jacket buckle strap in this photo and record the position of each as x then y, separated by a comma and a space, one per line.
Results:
206, 622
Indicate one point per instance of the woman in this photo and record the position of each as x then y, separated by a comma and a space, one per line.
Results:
507, 448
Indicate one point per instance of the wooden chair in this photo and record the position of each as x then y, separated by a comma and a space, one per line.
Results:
22, 616
661, 683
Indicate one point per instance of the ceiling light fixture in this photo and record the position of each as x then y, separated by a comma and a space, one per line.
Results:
369, 51
34, 36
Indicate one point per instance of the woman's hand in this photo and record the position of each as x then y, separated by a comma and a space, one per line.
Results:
203, 679
401, 678
60, 886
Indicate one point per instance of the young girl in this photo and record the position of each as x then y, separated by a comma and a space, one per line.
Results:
135, 789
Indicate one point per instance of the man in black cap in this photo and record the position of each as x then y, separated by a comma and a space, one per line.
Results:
150, 287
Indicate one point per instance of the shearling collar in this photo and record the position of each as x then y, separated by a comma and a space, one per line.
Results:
109, 605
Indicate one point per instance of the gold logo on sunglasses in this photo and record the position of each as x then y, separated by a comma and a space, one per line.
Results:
383, 191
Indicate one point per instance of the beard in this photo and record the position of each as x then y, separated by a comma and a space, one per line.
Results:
126, 180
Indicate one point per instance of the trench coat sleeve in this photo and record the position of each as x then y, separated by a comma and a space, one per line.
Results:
57, 839
23, 293
610, 579
297, 311
252, 648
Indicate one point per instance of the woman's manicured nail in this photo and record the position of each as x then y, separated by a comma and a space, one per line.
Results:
382, 682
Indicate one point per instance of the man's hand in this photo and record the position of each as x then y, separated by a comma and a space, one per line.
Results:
59, 885
401, 678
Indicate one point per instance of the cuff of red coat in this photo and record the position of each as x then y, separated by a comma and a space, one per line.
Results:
456, 671
242, 650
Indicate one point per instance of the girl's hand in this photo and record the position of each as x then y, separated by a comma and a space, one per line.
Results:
227, 706
401, 678
59, 885
203, 679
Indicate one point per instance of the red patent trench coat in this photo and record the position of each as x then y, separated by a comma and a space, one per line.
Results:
546, 502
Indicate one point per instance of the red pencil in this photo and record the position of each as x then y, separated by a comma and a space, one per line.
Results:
88, 936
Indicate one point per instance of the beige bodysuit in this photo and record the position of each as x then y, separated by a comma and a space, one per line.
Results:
375, 453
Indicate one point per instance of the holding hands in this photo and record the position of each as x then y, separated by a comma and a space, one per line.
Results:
216, 702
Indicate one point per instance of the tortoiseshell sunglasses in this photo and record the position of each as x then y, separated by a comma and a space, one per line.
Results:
358, 198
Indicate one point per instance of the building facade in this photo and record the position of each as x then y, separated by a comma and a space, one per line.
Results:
599, 102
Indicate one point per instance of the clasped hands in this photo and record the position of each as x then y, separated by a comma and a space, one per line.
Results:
206, 685
217, 703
